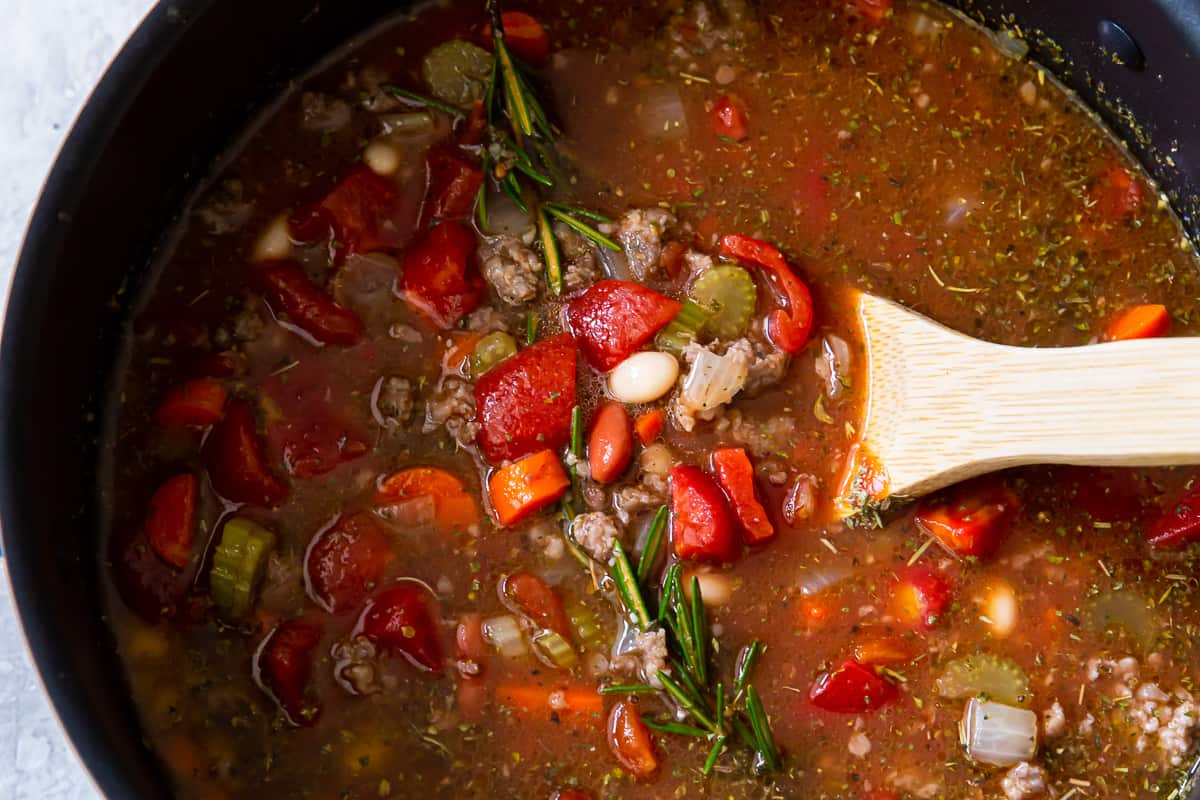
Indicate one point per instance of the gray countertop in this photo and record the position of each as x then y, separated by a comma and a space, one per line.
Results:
51, 54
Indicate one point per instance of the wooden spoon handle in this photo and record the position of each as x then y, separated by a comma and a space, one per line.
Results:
971, 407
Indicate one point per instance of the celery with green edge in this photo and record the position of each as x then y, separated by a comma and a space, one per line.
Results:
238, 566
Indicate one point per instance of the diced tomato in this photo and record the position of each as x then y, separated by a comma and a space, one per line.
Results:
362, 213
520, 489
1107, 494
1117, 194
851, 689
1179, 524
524, 403
454, 182
630, 741
171, 520
649, 425
610, 443
537, 600
613, 319
236, 465
308, 425
346, 560
736, 476
672, 258
399, 621
729, 119
453, 508
290, 292
886, 651
869, 11
816, 612
788, 327
524, 35
282, 668
441, 279
196, 403
703, 528
1139, 322
920, 597
972, 518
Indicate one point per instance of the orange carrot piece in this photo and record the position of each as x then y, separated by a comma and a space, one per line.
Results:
457, 351
884, 651
1139, 322
453, 508
549, 703
525, 487
649, 426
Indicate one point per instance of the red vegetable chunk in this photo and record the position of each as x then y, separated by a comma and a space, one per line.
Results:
920, 598
872, 12
362, 213
310, 429
1179, 524
524, 403
282, 668
851, 689
290, 292
613, 319
729, 119
1139, 322
171, 520
524, 36
537, 600
1117, 194
972, 519
236, 465
788, 327
630, 740
398, 620
703, 527
441, 279
736, 476
454, 182
196, 403
346, 561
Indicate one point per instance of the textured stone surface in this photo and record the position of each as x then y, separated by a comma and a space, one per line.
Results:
51, 54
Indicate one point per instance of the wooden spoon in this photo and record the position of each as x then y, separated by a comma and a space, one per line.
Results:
943, 407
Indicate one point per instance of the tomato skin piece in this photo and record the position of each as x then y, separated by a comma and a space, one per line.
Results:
171, 519
454, 182
440, 277
197, 403
735, 474
282, 667
537, 600
289, 291
236, 465
345, 561
920, 597
524, 403
1178, 525
524, 36
1117, 194
1139, 322
630, 740
972, 519
851, 689
729, 119
703, 527
613, 319
610, 443
789, 327
361, 213
398, 619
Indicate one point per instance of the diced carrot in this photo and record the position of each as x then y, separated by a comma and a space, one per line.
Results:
458, 347
1117, 194
883, 651
453, 508
552, 703
1139, 322
649, 426
196, 403
524, 487
630, 740
610, 443
537, 600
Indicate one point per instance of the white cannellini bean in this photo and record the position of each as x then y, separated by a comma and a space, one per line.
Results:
275, 242
643, 377
656, 459
999, 606
382, 158
716, 589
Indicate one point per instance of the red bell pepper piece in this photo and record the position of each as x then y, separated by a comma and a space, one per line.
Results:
454, 182
972, 518
1179, 524
282, 668
703, 528
441, 279
289, 291
788, 327
199, 403
920, 597
524, 403
610, 443
537, 600
361, 213
729, 119
1117, 194
1139, 322
613, 319
346, 561
524, 36
399, 621
851, 689
236, 465
171, 520
736, 476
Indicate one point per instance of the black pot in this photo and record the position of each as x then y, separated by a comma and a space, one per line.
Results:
177, 96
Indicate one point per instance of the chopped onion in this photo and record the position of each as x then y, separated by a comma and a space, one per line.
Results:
994, 733
833, 364
661, 114
814, 581
553, 650
504, 634
714, 380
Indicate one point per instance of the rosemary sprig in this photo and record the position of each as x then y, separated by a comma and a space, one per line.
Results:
506, 77
531, 328
674, 727
560, 213
768, 755
628, 688
423, 100
550, 254
627, 586
654, 542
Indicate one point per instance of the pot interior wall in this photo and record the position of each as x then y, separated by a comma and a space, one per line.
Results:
181, 91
